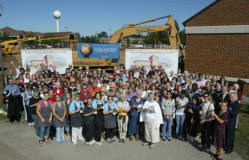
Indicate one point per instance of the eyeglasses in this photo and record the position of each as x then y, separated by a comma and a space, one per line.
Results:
84, 88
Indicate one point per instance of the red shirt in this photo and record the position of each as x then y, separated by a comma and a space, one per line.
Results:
52, 100
84, 96
92, 90
60, 91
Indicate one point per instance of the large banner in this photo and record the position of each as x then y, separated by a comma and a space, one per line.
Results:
54, 58
98, 50
167, 58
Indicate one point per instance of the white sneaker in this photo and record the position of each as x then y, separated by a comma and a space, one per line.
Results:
145, 143
93, 141
75, 144
83, 139
89, 143
99, 143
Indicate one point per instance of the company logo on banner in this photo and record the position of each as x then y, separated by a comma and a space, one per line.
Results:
98, 50
58, 59
167, 58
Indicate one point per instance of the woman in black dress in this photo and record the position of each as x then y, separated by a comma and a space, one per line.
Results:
220, 130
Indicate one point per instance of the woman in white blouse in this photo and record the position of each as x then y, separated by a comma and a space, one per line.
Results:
152, 117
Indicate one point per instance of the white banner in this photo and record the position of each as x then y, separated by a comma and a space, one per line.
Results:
167, 58
58, 58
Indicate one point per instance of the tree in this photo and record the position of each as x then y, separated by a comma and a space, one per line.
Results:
182, 37
4, 36
102, 34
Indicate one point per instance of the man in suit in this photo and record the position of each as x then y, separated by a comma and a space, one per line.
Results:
233, 110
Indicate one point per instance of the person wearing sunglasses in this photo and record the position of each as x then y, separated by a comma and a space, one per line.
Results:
206, 118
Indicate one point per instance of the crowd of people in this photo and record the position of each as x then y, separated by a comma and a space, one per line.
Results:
148, 105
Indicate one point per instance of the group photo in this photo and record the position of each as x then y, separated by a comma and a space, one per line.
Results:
112, 80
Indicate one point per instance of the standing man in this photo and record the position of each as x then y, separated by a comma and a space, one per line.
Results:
76, 111
12, 93
233, 110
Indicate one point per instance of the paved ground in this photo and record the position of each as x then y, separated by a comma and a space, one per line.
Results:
18, 142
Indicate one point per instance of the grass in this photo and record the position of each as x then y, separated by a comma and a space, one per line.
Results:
242, 132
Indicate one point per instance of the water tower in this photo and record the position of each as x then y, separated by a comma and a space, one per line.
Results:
57, 16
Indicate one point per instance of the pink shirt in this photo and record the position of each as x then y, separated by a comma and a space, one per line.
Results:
201, 84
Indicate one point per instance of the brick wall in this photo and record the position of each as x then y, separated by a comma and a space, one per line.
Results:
222, 12
246, 90
226, 54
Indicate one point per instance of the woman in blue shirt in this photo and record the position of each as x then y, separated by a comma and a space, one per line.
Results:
98, 106
136, 104
110, 110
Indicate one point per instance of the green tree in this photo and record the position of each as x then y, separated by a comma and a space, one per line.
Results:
182, 37
102, 34
4, 36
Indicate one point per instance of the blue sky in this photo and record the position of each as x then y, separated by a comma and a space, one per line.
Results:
92, 16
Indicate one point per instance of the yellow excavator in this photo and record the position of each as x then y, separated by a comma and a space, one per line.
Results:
133, 29
14, 46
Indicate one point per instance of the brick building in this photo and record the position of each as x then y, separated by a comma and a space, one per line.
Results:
217, 41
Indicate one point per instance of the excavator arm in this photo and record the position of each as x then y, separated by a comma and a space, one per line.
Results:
133, 29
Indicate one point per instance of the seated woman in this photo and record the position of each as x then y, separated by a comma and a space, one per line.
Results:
110, 119
151, 115
89, 122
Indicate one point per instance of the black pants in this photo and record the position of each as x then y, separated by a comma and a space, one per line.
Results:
109, 132
187, 124
52, 132
89, 130
206, 134
195, 127
99, 123
230, 130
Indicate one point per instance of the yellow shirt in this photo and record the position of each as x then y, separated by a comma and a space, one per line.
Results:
123, 106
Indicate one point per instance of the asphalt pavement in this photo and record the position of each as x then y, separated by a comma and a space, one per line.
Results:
19, 142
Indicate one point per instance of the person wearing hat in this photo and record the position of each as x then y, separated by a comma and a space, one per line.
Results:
76, 111
32, 104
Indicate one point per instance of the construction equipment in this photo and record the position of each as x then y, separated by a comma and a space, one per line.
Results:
133, 29
14, 46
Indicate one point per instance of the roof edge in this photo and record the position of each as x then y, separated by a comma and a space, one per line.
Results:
196, 14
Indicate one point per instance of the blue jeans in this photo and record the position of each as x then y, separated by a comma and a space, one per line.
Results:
67, 127
28, 111
179, 125
44, 133
36, 119
60, 134
166, 124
